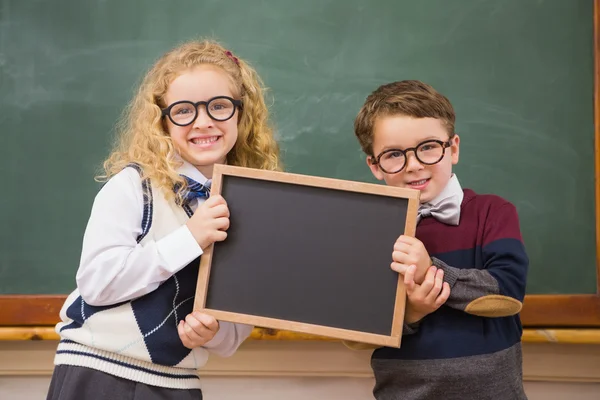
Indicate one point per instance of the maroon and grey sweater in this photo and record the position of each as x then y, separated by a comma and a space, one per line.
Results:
470, 347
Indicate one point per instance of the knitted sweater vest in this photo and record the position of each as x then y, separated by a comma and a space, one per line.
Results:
138, 339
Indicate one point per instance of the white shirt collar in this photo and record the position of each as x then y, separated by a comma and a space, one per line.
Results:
192, 172
452, 189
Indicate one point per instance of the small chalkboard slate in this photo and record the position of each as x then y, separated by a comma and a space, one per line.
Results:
308, 254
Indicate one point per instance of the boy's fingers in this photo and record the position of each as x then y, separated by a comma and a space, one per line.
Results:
399, 268
401, 247
429, 280
441, 299
410, 273
409, 240
409, 279
437, 286
401, 257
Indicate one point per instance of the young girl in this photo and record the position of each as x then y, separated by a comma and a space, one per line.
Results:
128, 330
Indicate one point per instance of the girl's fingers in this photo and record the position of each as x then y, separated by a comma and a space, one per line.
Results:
187, 342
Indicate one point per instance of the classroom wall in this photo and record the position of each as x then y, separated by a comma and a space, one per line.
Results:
296, 370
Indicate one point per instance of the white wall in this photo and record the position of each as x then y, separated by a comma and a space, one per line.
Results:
311, 370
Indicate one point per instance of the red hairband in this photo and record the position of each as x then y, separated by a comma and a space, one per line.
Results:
234, 58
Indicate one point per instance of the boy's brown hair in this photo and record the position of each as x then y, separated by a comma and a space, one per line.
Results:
411, 98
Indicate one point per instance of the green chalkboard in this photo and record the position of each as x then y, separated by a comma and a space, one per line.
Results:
519, 72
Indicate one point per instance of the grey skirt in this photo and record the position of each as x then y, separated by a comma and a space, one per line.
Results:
79, 383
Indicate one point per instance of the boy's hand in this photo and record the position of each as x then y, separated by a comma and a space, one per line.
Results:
197, 329
410, 251
210, 221
425, 298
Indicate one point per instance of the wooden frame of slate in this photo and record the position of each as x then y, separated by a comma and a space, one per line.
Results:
308, 254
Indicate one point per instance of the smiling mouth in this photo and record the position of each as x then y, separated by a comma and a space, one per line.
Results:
205, 140
419, 183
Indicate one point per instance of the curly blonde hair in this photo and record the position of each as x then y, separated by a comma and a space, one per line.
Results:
142, 137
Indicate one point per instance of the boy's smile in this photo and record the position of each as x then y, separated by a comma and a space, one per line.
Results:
418, 184
403, 132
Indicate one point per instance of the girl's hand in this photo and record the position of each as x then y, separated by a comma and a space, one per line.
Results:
210, 221
197, 329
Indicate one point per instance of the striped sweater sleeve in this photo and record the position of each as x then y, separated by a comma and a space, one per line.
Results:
498, 289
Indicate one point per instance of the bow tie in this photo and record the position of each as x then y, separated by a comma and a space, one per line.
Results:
195, 190
446, 211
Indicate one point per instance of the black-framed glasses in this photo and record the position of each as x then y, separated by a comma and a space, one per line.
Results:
184, 112
428, 152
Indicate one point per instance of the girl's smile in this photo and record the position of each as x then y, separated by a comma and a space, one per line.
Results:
206, 141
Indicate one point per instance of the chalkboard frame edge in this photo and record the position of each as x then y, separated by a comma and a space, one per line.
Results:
221, 172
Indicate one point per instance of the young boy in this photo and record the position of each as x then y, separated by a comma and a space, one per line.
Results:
462, 328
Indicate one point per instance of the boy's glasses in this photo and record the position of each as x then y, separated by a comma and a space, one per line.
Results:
429, 152
220, 108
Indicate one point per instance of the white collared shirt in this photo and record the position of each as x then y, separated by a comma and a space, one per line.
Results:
451, 190
113, 266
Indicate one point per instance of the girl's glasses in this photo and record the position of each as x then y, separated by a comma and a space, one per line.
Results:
220, 108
